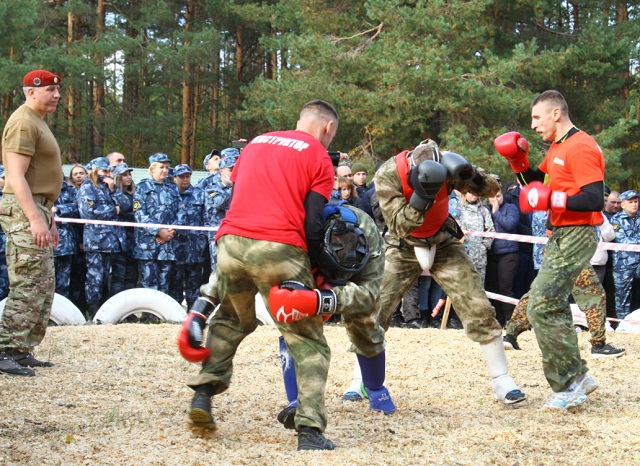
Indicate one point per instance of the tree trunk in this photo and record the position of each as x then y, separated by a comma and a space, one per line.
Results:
71, 101
187, 93
239, 73
98, 83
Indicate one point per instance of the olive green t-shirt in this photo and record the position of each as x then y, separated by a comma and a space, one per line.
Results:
26, 133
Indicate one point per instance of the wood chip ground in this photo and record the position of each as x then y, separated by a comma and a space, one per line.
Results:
117, 396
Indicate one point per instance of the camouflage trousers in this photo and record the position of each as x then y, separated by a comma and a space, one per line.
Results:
245, 267
98, 270
566, 254
155, 274
588, 295
185, 282
63, 274
124, 272
624, 278
455, 273
4, 276
31, 277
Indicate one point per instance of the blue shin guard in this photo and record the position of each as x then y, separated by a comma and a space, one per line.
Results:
373, 373
288, 372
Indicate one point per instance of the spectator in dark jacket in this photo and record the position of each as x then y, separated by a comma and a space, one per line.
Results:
348, 192
503, 256
526, 271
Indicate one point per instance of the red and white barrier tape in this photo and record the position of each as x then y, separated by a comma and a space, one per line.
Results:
506, 236
487, 234
506, 299
543, 240
133, 224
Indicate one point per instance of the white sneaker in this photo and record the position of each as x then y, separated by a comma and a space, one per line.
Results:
586, 382
572, 396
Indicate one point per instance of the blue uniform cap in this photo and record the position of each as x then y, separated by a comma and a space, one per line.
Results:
208, 157
120, 169
159, 157
628, 195
100, 163
227, 162
182, 169
229, 152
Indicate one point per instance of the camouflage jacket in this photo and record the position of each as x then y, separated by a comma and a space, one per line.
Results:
190, 244
475, 217
401, 218
627, 230
155, 203
98, 203
66, 206
217, 201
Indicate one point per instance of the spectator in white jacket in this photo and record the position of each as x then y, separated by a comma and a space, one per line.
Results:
599, 259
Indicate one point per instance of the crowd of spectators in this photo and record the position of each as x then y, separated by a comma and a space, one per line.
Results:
96, 261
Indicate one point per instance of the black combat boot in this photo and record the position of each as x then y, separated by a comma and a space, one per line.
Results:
9, 366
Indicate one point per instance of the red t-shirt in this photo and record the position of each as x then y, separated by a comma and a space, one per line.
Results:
272, 178
571, 164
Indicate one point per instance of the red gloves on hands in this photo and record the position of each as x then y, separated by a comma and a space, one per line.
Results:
291, 301
191, 337
514, 148
192, 332
537, 196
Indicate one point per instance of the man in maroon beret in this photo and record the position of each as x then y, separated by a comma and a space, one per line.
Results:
33, 167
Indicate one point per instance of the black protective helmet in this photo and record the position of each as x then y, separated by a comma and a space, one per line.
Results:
345, 249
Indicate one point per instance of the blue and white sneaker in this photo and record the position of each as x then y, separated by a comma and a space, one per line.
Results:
380, 401
561, 401
586, 382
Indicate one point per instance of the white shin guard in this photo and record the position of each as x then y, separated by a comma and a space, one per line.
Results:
496, 360
357, 379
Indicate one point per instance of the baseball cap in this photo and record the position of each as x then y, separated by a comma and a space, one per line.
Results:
229, 152
628, 195
100, 163
121, 168
40, 78
181, 169
208, 157
159, 157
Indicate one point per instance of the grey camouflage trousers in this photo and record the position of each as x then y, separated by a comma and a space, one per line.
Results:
455, 273
245, 267
566, 254
31, 277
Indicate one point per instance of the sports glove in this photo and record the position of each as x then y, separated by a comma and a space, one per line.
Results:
537, 196
459, 168
514, 148
291, 301
426, 180
192, 331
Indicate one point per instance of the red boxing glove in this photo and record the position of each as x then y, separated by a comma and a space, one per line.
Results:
188, 346
192, 332
515, 149
292, 301
537, 196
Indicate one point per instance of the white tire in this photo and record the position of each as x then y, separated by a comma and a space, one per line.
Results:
631, 323
137, 301
262, 314
63, 311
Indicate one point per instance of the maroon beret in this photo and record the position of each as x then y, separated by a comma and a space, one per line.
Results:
39, 78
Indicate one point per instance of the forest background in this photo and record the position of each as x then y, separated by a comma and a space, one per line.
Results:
186, 76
